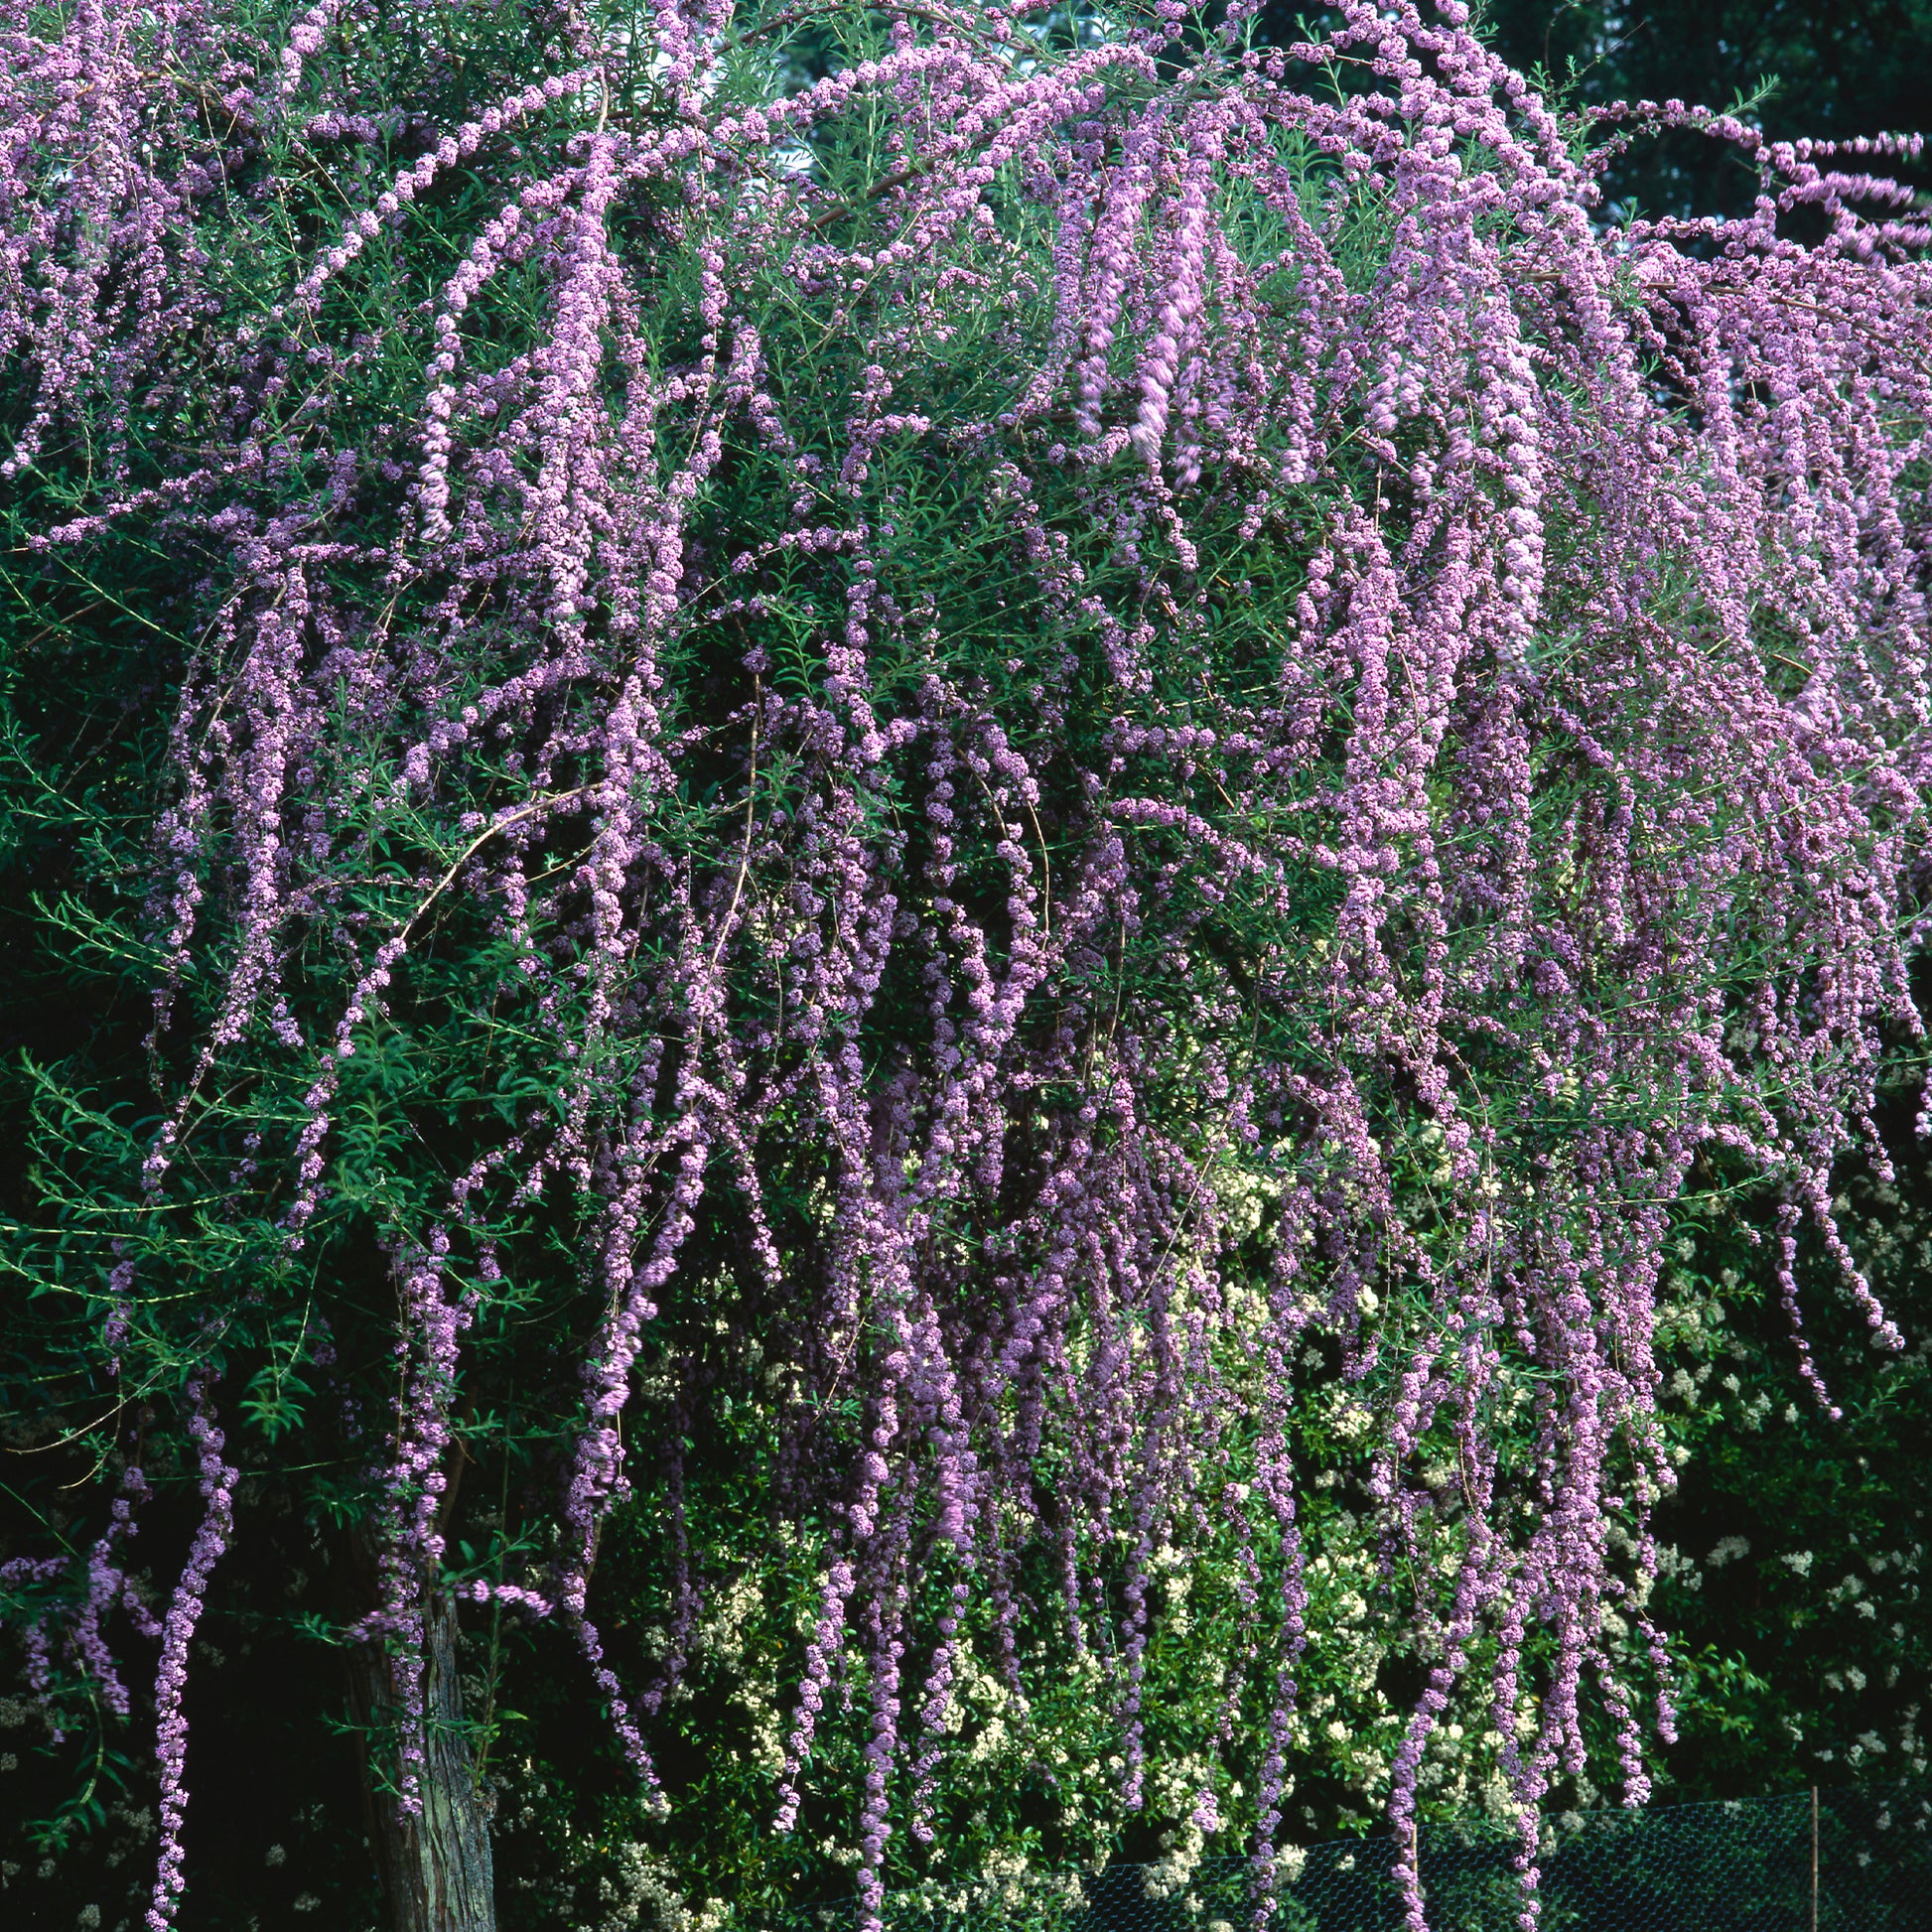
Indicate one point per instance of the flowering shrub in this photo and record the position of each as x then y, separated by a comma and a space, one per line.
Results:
1790, 1557
1023, 752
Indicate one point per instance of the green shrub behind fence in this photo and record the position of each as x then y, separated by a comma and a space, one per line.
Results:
1849, 1860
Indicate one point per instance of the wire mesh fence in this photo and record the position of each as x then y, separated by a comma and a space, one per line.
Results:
1848, 1860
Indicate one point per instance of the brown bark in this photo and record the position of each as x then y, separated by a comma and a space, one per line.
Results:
434, 1865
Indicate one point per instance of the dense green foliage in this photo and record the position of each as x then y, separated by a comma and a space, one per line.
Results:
1804, 1545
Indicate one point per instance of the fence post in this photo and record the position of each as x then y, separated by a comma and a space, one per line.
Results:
1814, 1859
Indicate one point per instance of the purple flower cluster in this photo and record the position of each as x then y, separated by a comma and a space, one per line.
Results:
1443, 747
210, 1545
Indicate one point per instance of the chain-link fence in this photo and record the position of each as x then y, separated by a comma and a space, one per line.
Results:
1851, 1861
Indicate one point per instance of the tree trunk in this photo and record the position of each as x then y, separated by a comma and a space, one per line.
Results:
434, 1865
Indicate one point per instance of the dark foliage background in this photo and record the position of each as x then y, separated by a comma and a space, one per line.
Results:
1824, 70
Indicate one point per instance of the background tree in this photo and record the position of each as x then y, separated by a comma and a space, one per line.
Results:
1830, 71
